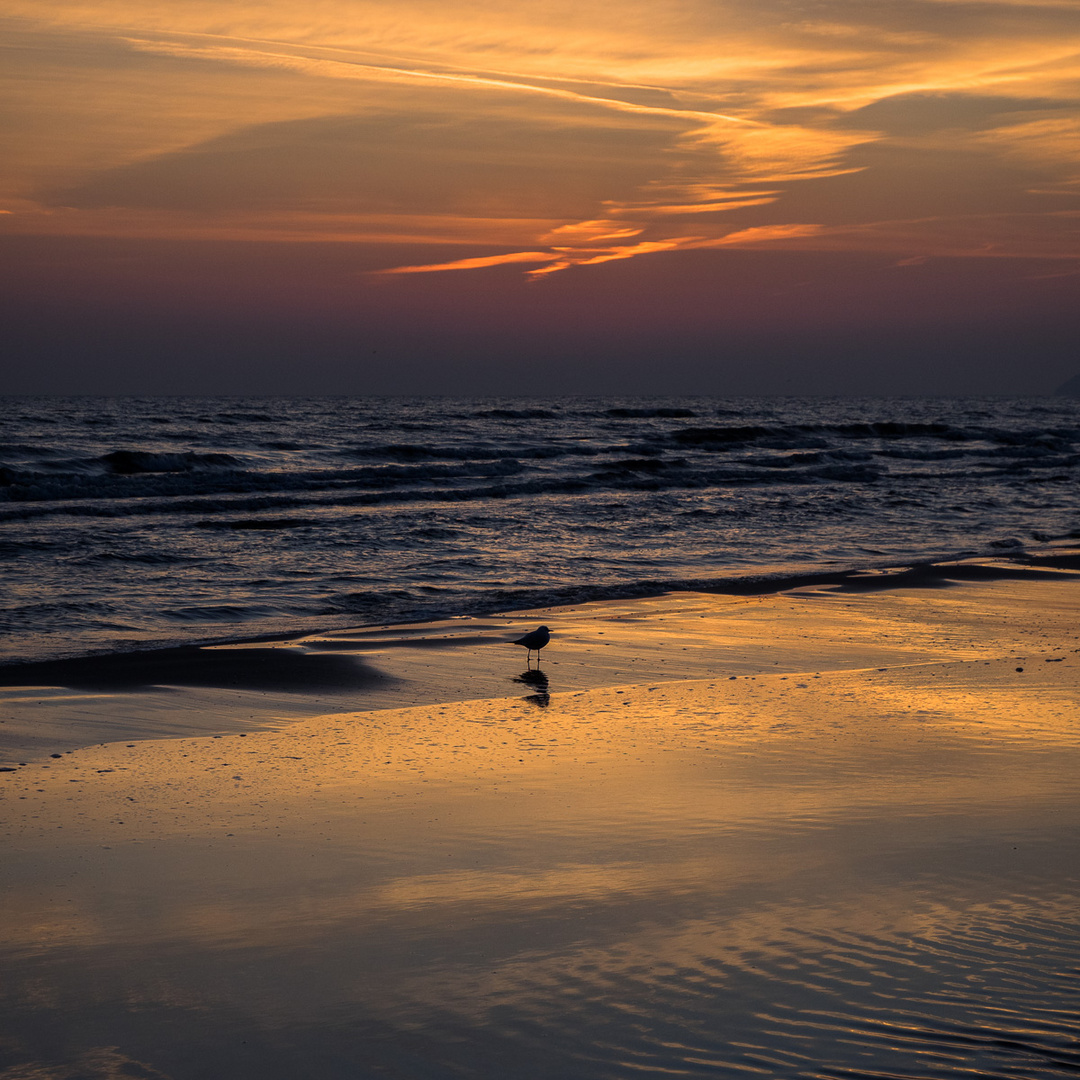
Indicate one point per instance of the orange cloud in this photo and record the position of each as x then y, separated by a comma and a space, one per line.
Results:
476, 264
764, 234
575, 133
562, 258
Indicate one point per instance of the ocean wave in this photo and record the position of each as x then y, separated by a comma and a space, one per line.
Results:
516, 414
236, 495
30, 450
656, 412
471, 452
796, 435
822, 451
137, 558
245, 418
223, 613
11, 549
131, 462
35, 487
256, 523
721, 436
271, 506
873, 573
642, 464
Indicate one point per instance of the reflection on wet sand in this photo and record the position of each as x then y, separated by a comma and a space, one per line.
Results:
537, 679
825, 627
788, 875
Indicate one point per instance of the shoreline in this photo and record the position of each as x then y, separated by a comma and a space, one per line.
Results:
843, 621
1061, 553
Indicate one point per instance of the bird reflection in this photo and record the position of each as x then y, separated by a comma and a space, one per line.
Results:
536, 679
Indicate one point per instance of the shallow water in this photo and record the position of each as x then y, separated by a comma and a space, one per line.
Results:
128, 522
860, 879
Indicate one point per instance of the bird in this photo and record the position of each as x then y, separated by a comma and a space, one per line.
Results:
535, 640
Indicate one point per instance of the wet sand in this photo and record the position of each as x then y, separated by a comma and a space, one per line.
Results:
969, 610
825, 833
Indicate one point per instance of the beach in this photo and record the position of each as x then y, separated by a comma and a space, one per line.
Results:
724, 350
829, 831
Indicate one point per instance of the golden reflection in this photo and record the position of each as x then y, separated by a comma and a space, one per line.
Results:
608, 797
799, 838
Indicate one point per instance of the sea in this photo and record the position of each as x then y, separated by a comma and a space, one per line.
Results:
130, 523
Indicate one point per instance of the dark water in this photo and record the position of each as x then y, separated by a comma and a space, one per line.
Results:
126, 522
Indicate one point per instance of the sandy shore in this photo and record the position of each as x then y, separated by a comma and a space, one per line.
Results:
966, 611
827, 832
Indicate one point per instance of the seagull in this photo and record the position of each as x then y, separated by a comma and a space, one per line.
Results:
536, 640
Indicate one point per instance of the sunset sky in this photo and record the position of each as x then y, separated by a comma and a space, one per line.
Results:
866, 196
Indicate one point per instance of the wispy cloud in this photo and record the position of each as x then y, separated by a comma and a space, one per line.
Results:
575, 134
477, 263
259, 55
562, 258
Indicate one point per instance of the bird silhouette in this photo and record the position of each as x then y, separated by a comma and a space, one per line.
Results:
535, 640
